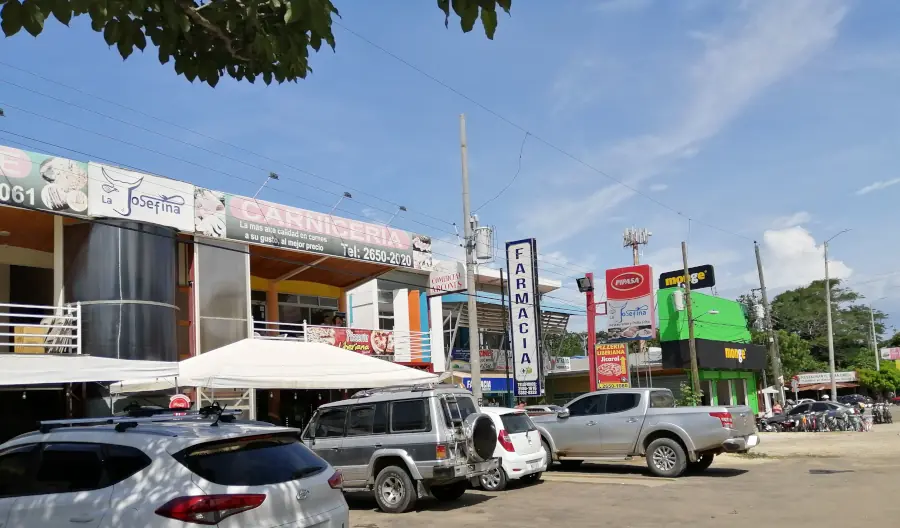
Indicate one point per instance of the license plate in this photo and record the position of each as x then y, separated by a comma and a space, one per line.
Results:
752, 441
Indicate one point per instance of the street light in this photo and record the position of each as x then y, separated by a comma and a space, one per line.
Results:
874, 337
828, 311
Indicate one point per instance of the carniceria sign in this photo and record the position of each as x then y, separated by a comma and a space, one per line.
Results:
524, 320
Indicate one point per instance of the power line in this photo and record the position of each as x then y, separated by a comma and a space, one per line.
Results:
516, 175
537, 137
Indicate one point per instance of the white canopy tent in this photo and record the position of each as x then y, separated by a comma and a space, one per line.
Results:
36, 369
269, 364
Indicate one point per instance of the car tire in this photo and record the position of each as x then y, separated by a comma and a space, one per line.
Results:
548, 451
450, 492
494, 480
666, 458
702, 463
395, 491
571, 464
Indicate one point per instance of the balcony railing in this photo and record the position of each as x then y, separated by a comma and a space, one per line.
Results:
37, 329
392, 345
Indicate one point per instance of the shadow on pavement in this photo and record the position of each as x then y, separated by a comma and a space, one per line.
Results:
363, 501
613, 469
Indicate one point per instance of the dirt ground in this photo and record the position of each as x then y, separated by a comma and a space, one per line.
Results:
849, 477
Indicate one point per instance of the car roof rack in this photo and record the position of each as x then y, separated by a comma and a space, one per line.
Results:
420, 387
123, 423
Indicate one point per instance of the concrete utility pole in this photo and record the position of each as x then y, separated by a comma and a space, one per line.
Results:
591, 344
692, 343
636, 238
828, 311
774, 352
874, 335
474, 334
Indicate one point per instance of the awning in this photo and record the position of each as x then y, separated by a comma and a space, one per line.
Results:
270, 364
37, 369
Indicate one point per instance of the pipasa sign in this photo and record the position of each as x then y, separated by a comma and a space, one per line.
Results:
701, 277
629, 295
524, 316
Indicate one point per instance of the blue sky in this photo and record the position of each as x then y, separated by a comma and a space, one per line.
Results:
771, 120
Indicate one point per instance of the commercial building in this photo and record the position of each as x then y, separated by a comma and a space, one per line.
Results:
116, 263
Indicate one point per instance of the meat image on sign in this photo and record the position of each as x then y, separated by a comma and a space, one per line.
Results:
630, 310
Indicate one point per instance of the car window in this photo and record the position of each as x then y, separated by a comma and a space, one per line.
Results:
410, 416
800, 409
331, 422
367, 419
588, 405
617, 402
662, 399
15, 465
123, 462
466, 407
69, 467
517, 423
820, 407
252, 461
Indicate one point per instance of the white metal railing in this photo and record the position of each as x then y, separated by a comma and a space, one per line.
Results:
392, 345
38, 329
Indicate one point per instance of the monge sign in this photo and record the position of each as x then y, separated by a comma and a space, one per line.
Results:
524, 316
629, 295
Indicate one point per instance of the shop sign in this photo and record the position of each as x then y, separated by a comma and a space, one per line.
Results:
825, 377
629, 296
220, 215
612, 366
711, 354
39, 181
121, 193
366, 342
562, 364
490, 359
447, 277
701, 277
890, 353
521, 262
487, 384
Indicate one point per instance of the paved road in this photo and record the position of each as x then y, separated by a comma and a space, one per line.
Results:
852, 485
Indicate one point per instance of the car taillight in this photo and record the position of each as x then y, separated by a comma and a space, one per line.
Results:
725, 418
336, 481
505, 442
440, 453
209, 509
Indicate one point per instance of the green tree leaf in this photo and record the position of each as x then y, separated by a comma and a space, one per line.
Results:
489, 21
32, 18
62, 10
11, 15
111, 32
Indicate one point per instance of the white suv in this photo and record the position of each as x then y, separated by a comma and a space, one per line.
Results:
167, 472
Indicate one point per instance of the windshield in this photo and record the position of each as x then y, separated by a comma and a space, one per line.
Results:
517, 423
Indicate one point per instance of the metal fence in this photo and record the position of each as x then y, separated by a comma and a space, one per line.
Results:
38, 329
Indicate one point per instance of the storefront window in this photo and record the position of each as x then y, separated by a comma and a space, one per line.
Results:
740, 389
222, 282
723, 392
296, 309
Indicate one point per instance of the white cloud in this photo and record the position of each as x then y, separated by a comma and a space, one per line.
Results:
796, 219
657, 187
775, 40
877, 186
791, 258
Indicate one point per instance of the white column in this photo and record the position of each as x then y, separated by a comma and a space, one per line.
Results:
436, 332
402, 350
59, 290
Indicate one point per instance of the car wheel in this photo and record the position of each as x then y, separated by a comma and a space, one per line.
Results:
549, 453
571, 464
450, 492
395, 491
702, 464
666, 458
494, 480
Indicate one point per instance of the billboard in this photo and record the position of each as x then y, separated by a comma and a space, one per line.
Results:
524, 316
612, 366
221, 215
701, 277
890, 353
715, 318
130, 195
629, 296
39, 181
366, 342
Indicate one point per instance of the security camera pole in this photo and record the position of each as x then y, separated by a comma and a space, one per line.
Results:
474, 335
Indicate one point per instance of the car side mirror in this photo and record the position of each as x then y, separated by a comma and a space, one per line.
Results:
562, 414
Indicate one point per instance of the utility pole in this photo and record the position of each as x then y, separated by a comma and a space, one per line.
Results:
506, 341
874, 339
774, 352
591, 332
830, 332
692, 343
474, 334
636, 238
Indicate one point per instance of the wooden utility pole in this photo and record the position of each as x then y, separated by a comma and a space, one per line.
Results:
695, 371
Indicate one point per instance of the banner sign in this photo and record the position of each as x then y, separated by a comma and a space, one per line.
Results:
701, 277
447, 277
711, 354
890, 353
121, 193
524, 316
812, 378
488, 384
220, 215
366, 342
612, 366
629, 296
38, 181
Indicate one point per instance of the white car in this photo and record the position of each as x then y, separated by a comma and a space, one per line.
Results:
167, 472
519, 448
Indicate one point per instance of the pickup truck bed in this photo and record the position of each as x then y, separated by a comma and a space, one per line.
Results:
621, 423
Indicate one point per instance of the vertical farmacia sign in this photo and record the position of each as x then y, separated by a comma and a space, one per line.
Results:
524, 316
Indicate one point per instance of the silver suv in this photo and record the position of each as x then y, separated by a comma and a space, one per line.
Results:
405, 443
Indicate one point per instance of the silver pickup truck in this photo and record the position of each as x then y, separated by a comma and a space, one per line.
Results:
623, 423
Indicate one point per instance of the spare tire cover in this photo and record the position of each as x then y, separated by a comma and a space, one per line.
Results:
481, 437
